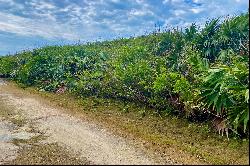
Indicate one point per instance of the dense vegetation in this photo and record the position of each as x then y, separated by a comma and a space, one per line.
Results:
193, 73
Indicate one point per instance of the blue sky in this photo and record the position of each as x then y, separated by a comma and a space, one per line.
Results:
27, 24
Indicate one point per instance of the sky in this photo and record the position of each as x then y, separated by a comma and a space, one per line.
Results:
28, 24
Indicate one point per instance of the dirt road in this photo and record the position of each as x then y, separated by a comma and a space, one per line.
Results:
84, 139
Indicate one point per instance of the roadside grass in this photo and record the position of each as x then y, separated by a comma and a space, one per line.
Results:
47, 154
169, 136
9, 114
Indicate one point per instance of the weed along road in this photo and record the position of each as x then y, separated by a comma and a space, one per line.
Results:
30, 127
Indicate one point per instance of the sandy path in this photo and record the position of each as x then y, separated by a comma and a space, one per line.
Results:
7, 150
86, 139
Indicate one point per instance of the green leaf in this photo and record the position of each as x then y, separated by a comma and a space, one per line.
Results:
246, 121
247, 96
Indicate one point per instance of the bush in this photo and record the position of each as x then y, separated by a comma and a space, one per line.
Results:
184, 72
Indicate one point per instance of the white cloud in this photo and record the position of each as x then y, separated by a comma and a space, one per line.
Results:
115, 1
177, 1
41, 5
142, 12
172, 1
137, 12
196, 10
196, 1
165, 1
179, 12
140, 1
13, 4
28, 27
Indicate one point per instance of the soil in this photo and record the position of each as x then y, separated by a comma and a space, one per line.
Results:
87, 141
